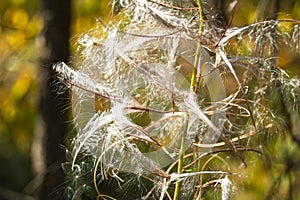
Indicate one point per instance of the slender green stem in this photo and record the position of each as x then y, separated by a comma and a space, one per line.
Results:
196, 62
194, 78
192, 87
181, 156
196, 71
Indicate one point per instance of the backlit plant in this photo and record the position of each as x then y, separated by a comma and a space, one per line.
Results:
159, 93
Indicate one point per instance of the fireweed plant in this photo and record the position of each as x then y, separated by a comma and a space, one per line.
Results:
162, 92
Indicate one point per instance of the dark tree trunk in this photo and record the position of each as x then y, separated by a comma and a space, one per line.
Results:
52, 128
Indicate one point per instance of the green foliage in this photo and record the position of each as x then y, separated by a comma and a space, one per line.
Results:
20, 24
20, 28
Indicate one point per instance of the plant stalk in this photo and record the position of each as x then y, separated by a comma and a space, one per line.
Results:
196, 71
181, 156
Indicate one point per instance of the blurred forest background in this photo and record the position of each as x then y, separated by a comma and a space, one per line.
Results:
21, 25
